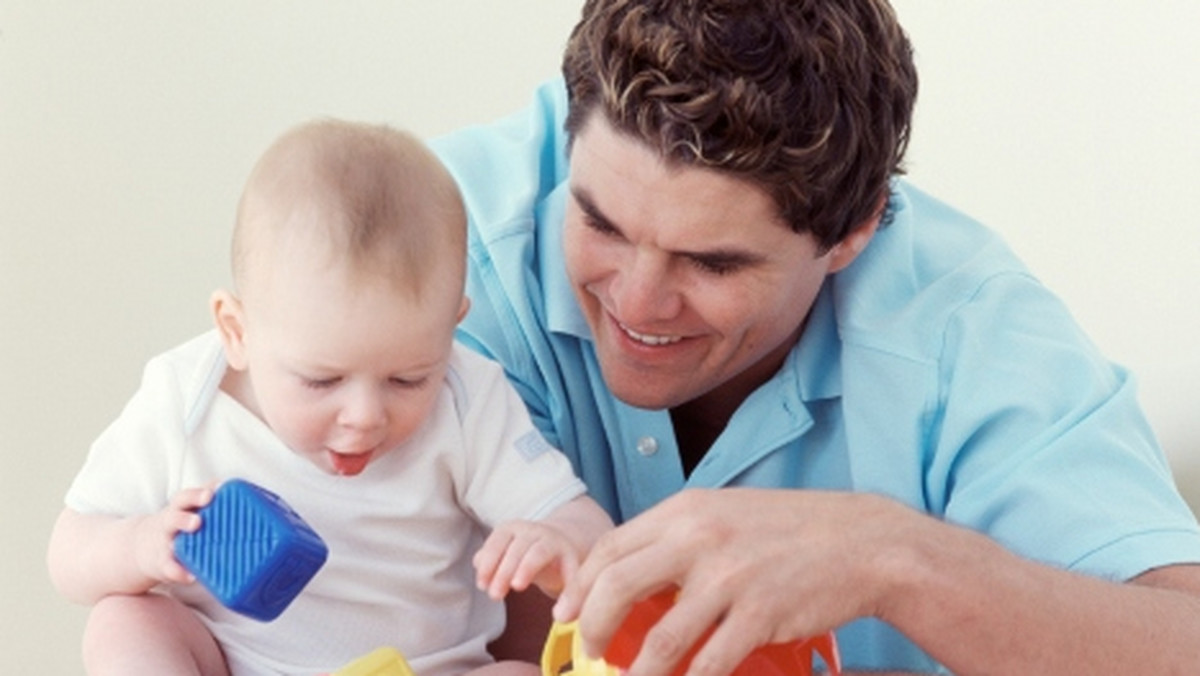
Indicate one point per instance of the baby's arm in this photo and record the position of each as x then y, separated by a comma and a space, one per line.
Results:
92, 556
545, 553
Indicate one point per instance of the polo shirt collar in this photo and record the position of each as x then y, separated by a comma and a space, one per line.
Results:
562, 312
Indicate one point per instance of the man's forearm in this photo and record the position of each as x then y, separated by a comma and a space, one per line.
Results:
977, 608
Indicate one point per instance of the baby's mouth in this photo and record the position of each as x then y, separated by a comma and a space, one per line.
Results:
349, 464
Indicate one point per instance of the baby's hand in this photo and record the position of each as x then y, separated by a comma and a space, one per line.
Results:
520, 553
155, 542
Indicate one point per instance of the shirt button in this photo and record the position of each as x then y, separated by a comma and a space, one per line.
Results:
647, 446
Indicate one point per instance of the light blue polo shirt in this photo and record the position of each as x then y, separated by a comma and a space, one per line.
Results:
935, 370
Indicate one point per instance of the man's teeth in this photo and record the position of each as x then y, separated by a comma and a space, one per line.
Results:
648, 339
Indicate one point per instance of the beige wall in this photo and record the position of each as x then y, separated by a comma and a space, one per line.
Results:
127, 128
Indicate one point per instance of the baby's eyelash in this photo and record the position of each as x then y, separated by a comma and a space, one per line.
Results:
409, 384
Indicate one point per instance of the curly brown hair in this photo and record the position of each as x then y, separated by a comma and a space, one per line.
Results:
811, 100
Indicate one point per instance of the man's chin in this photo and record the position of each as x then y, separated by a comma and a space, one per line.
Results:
637, 395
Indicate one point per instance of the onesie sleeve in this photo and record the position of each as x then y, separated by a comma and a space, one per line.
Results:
511, 471
129, 466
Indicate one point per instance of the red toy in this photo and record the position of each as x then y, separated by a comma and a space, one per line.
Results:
777, 659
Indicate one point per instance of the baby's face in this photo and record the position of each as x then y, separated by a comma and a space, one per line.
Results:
344, 371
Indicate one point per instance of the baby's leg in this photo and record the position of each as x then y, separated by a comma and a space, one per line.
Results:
148, 634
507, 668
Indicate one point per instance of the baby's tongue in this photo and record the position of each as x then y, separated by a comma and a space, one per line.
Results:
349, 465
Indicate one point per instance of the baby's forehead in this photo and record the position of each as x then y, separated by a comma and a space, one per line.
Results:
370, 200
411, 264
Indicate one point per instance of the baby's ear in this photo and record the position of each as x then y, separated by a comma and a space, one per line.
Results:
229, 318
462, 310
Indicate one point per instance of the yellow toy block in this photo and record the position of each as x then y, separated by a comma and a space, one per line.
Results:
563, 655
380, 662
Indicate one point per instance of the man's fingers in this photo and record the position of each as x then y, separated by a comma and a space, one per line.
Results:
672, 639
612, 548
637, 576
727, 646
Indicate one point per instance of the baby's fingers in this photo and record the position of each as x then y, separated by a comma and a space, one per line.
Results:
487, 559
548, 565
173, 571
192, 498
502, 580
181, 522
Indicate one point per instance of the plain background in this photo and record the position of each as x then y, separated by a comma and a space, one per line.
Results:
126, 130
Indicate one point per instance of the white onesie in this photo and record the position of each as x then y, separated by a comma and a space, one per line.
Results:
400, 534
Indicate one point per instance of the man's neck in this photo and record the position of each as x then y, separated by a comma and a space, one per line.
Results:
700, 421
695, 433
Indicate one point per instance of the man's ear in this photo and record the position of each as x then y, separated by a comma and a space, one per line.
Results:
844, 252
230, 319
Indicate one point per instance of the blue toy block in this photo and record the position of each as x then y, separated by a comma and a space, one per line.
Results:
252, 551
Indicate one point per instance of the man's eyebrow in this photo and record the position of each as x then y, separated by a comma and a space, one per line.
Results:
720, 257
593, 212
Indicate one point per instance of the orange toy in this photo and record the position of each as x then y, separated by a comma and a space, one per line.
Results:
564, 656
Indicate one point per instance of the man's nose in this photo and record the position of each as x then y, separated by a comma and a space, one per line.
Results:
643, 291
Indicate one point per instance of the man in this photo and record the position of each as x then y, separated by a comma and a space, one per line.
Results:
725, 286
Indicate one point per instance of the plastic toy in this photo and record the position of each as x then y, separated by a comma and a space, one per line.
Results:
563, 654
252, 551
380, 662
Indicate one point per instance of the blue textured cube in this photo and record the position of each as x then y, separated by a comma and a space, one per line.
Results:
252, 551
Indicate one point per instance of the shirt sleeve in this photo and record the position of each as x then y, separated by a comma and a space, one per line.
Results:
1044, 446
504, 171
506, 167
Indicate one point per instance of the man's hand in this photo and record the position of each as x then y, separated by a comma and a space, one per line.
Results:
761, 566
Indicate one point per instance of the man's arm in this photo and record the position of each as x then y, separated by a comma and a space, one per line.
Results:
976, 607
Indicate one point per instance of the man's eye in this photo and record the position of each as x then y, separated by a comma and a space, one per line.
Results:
599, 226
715, 266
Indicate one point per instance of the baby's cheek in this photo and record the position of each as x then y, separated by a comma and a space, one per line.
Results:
303, 431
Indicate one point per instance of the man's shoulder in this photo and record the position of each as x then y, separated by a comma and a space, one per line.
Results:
919, 271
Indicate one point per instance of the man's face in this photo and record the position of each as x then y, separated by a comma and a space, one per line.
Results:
692, 284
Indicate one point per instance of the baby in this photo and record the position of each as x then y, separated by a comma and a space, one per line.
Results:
333, 380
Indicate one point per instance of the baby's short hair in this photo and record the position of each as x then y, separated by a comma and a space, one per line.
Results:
383, 202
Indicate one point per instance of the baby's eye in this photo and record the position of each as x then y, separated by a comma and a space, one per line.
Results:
321, 383
408, 383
